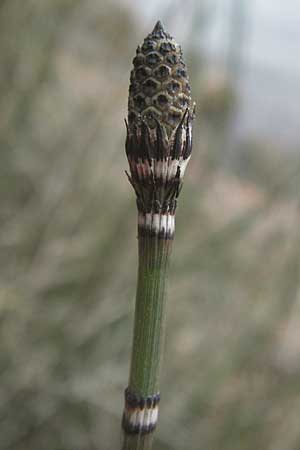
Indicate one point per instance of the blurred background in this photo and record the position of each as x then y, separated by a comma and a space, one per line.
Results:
68, 226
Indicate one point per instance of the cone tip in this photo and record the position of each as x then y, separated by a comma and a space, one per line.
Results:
158, 27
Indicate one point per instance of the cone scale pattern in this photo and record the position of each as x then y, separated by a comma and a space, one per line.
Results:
159, 130
159, 85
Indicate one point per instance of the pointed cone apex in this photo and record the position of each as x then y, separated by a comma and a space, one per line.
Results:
158, 27
159, 32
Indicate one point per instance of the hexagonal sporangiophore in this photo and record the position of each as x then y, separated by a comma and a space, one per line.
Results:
162, 72
139, 102
150, 87
149, 45
142, 72
162, 101
179, 72
172, 59
173, 87
153, 59
167, 47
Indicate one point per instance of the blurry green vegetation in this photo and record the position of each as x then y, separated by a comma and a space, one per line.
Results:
68, 253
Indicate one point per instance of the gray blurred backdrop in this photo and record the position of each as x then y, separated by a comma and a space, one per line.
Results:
68, 226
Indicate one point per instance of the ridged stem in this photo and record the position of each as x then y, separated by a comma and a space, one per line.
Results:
149, 322
149, 326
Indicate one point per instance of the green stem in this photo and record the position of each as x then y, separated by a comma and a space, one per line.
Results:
149, 323
149, 326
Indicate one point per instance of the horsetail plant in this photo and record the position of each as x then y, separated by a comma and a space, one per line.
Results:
158, 148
